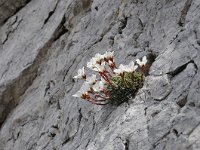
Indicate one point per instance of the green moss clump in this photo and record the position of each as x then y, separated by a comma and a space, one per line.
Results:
124, 87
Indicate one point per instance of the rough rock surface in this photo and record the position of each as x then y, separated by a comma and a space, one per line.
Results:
44, 42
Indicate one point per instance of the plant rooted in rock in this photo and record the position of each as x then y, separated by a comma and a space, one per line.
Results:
113, 84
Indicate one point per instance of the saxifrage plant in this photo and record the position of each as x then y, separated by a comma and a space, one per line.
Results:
113, 84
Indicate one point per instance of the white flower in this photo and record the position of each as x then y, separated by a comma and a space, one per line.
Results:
110, 63
83, 92
99, 86
131, 67
103, 80
126, 68
96, 62
143, 62
81, 74
118, 71
100, 67
80, 94
98, 58
109, 55
91, 80
92, 63
85, 87
121, 69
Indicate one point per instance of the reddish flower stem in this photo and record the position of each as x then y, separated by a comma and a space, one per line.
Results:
122, 75
105, 92
100, 96
142, 70
114, 65
93, 101
105, 77
123, 79
89, 99
106, 72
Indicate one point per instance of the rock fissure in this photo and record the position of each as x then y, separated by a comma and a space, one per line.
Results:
176, 37
11, 12
25, 80
158, 141
184, 13
51, 12
12, 30
126, 144
61, 30
179, 69
198, 124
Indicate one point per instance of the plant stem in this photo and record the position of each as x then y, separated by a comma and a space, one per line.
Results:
93, 101
132, 76
105, 92
142, 70
122, 76
104, 98
108, 73
105, 77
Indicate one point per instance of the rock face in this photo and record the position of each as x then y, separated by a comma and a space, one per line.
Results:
44, 42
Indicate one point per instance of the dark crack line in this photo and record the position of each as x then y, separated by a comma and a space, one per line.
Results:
11, 31
67, 139
197, 39
8, 66
87, 48
61, 29
25, 79
123, 25
179, 69
193, 129
93, 124
141, 23
126, 144
145, 111
51, 13
17, 10
16, 18
70, 67
184, 13
137, 35
87, 143
79, 119
158, 141
18, 133
80, 116
174, 38
183, 100
165, 97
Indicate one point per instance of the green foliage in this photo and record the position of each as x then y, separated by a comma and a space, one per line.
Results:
124, 87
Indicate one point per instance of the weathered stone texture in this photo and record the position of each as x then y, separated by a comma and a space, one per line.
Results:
44, 42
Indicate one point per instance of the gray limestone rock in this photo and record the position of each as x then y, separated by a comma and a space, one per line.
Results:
44, 42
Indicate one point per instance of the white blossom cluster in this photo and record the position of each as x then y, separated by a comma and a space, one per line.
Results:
94, 87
